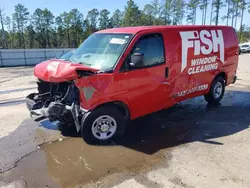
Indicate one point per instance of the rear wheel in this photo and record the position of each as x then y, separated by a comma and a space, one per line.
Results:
103, 124
216, 92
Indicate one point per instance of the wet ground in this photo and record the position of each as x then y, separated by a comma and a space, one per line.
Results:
189, 145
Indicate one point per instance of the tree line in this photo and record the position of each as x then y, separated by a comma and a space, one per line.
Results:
41, 29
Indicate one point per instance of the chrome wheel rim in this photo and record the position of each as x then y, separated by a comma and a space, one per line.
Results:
218, 88
104, 127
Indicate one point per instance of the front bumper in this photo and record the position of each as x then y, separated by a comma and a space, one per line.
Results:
55, 111
35, 113
245, 50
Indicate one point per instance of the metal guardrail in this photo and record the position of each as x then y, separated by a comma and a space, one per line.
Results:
22, 57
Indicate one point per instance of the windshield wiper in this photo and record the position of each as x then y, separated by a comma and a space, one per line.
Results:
81, 62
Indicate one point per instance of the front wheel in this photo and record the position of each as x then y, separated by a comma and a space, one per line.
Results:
216, 92
103, 124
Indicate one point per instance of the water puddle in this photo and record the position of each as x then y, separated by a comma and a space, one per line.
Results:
72, 162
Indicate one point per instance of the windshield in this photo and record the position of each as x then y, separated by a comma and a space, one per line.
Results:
101, 50
67, 55
244, 46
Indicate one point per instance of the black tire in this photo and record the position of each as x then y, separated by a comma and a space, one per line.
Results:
210, 97
88, 120
68, 129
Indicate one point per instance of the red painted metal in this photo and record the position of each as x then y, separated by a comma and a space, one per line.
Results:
56, 70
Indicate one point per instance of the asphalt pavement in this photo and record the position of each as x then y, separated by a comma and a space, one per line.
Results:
189, 145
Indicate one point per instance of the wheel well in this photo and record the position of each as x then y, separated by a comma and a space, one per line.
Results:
223, 75
121, 106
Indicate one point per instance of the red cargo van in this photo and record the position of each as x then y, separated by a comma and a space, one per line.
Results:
120, 74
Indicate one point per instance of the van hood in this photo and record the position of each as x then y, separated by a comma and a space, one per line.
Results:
60, 71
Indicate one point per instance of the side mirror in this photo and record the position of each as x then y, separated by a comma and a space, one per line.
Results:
136, 60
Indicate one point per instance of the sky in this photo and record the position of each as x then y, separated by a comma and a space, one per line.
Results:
59, 6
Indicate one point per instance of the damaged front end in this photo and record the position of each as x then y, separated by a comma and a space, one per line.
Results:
57, 102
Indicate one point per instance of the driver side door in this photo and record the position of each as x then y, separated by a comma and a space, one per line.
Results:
145, 83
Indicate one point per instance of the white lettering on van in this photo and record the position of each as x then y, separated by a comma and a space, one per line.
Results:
198, 88
203, 43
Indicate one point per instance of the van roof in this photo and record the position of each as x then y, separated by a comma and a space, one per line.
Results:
136, 29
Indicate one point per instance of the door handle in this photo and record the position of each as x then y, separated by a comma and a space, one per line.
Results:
166, 72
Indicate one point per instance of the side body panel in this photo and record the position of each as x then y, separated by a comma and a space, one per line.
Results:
231, 55
194, 56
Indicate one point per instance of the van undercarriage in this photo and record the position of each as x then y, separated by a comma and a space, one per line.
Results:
58, 102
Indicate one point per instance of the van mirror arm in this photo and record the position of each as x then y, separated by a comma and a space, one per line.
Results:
136, 60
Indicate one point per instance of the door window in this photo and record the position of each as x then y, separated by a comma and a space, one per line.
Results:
152, 47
